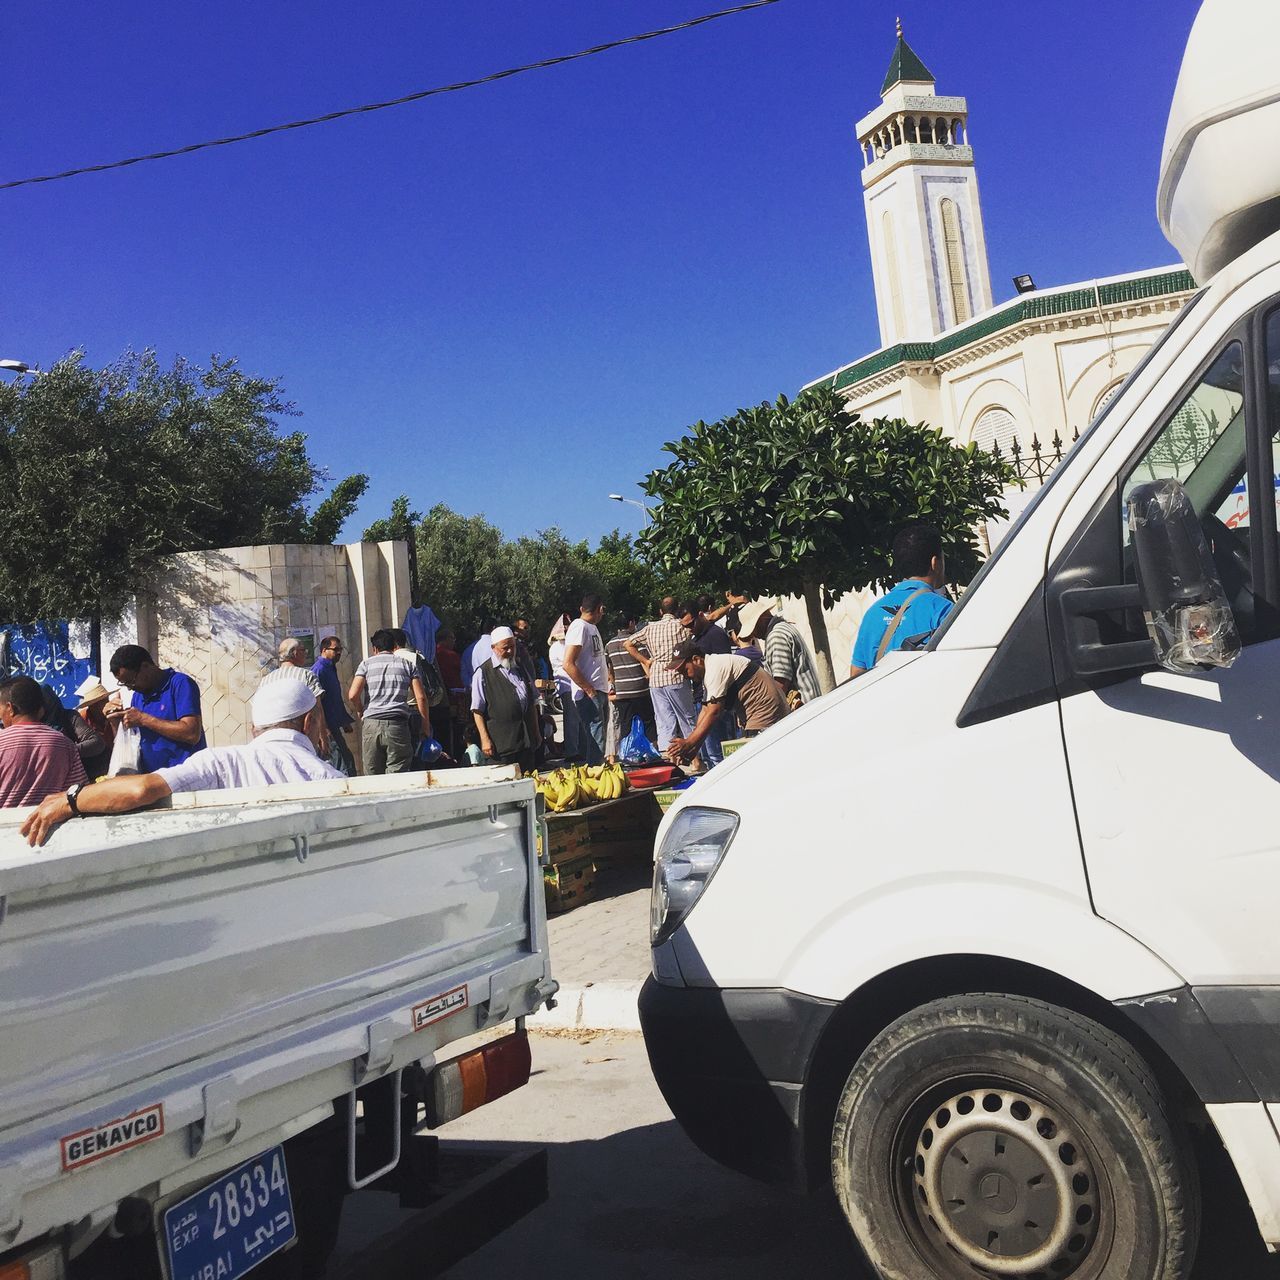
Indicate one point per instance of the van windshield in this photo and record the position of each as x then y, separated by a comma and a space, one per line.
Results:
1029, 510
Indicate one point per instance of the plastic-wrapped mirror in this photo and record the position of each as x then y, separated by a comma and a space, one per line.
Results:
1186, 609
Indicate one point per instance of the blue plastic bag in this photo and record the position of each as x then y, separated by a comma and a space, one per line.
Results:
636, 748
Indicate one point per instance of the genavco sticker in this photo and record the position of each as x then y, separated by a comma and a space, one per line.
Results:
80, 1149
438, 1007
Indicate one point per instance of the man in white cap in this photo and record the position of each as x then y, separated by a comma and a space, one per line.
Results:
279, 752
504, 704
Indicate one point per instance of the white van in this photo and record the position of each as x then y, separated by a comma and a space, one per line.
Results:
987, 935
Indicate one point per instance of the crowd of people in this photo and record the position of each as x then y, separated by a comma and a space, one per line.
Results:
695, 675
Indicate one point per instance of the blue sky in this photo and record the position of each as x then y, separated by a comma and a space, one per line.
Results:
507, 299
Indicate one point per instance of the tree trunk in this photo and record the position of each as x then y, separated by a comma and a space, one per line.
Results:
821, 642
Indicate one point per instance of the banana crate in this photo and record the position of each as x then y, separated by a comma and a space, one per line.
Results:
568, 837
569, 884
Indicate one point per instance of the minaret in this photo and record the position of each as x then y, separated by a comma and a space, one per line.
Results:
920, 189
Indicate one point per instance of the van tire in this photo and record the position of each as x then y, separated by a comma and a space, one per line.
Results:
993, 1135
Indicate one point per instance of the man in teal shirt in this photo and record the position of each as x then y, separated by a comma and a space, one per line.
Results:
915, 607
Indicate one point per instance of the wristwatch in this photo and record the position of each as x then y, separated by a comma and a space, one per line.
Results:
73, 797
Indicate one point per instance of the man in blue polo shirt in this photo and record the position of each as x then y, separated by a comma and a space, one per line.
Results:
914, 608
165, 709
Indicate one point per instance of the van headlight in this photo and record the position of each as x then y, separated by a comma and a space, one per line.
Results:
691, 851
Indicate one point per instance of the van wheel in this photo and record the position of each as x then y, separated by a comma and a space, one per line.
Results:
992, 1136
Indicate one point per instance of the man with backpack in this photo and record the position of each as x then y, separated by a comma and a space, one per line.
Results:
914, 608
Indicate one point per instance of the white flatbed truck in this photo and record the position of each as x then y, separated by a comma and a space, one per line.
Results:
220, 1017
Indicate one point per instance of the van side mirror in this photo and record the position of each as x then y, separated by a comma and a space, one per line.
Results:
1188, 617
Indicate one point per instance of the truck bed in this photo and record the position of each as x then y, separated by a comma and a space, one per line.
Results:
215, 972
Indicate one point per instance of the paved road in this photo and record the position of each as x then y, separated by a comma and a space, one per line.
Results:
631, 1196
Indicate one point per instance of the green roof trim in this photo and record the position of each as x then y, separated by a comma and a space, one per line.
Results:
1031, 307
905, 65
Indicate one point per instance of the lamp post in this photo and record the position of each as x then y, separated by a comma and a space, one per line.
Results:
19, 367
635, 502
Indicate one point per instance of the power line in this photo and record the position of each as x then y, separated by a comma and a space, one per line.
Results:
391, 102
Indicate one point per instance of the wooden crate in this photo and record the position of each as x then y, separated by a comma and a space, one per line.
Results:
625, 828
569, 884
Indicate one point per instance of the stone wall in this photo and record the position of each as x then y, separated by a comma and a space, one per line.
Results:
220, 615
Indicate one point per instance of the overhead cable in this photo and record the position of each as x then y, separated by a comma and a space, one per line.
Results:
391, 102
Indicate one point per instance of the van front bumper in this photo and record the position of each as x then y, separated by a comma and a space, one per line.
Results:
732, 1065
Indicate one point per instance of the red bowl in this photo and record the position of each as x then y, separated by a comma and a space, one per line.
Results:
655, 775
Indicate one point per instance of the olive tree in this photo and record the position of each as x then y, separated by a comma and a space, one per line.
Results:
108, 470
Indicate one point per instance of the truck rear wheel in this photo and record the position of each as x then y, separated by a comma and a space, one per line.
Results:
994, 1136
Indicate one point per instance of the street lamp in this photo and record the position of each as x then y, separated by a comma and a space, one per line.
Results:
635, 502
17, 366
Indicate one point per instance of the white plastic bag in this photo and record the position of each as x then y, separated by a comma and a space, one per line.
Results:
126, 752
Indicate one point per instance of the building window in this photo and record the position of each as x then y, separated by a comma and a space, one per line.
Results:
995, 427
895, 277
957, 277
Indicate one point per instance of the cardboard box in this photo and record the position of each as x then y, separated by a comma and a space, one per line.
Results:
568, 837
569, 884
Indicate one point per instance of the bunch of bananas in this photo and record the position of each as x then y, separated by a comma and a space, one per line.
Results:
602, 781
568, 788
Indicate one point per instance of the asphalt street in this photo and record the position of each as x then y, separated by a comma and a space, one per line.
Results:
632, 1197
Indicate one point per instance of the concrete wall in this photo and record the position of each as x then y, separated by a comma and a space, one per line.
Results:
219, 615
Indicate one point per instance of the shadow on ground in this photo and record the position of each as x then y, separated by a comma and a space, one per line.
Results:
644, 1202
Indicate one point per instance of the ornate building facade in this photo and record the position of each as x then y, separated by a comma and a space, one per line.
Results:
1025, 376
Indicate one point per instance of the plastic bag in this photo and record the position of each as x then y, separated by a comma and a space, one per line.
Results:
636, 748
126, 753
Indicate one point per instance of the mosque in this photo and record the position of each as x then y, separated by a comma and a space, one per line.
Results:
1036, 367
1025, 376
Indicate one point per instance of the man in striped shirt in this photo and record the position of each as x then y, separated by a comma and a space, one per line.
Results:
628, 687
35, 760
786, 656
671, 691
294, 666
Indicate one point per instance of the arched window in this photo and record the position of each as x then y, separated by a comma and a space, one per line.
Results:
957, 276
895, 277
995, 426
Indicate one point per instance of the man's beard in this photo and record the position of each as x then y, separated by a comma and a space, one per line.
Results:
507, 663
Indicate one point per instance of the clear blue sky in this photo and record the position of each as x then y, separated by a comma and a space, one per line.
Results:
507, 299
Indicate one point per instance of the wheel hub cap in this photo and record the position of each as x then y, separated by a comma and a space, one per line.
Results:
1005, 1185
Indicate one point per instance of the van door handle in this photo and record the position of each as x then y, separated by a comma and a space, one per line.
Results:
1088, 655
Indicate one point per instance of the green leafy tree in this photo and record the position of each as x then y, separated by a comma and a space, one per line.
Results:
109, 470
401, 524
632, 584
800, 498
474, 577
324, 524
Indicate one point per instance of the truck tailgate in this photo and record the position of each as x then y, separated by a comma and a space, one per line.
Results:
147, 957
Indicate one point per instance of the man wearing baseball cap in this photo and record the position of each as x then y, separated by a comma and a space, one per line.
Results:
279, 752
728, 681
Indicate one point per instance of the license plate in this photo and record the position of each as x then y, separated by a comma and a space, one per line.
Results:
236, 1222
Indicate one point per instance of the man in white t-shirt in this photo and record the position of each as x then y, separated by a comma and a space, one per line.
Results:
584, 665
